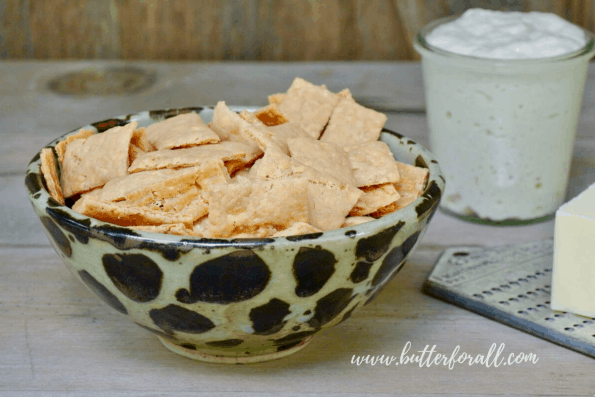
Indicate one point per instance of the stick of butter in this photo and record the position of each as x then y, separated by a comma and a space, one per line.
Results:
573, 276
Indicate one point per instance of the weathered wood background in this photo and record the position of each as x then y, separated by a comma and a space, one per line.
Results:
267, 30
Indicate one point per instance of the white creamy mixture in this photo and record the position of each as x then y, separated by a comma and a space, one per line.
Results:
508, 35
503, 131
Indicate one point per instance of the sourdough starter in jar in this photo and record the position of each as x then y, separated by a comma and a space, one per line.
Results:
503, 94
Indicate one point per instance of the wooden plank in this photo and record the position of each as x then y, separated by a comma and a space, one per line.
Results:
63, 338
281, 30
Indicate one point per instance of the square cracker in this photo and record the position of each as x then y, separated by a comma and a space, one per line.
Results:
192, 156
309, 105
50, 174
329, 200
372, 163
123, 214
297, 229
411, 185
163, 183
184, 130
91, 162
61, 146
248, 207
352, 123
270, 115
227, 124
324, 157
374, 197
277, 135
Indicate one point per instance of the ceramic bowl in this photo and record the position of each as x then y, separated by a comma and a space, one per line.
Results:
236, 300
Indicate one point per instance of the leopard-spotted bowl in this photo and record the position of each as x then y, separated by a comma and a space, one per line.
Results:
236, 300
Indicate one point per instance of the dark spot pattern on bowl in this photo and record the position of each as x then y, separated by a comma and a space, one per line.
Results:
234, 277
268, 318
176, 318
312, 268
137, 276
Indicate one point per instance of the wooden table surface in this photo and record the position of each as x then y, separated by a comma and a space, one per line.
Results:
56, 338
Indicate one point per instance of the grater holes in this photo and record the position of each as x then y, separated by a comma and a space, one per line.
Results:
504, 303
569, 329
524, 280
532, 309
540, 305
577, 326
496, 289
522, 296
513, 283
531, 276
487, 292
478, 296
546, 286
540, 274
558, 315
549, 319
547, 302
522, 312
513, 299
530, 292
587, 322
547, 270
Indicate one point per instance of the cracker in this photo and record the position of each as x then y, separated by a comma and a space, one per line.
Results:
91, 162
248, 207
329, 200
227, 124
277, 135
188, 157
352, 123
50, 174
271, 115
309, 105
61, 146
297, 229
125, 215
251, 118
184, 130
178, 229
324, 157
356, 220
373, 198
276, 99
166, 181
372, 163
410, 186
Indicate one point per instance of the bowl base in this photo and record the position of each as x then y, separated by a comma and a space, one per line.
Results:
227, 359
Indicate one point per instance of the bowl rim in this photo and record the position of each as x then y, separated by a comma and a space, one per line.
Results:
43, 202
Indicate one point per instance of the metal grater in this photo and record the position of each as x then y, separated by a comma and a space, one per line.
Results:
510, 284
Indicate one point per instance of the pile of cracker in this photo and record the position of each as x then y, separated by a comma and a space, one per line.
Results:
310, 161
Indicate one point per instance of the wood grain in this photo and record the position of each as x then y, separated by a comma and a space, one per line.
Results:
248, 30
